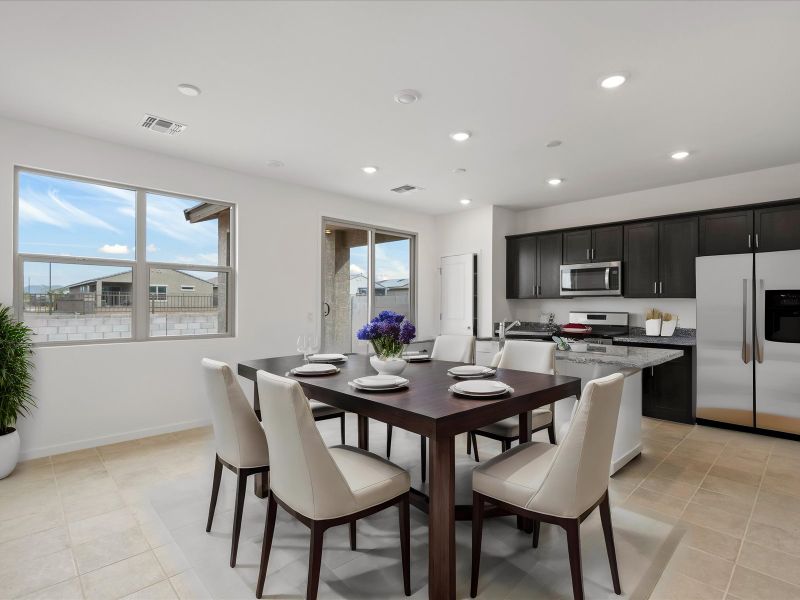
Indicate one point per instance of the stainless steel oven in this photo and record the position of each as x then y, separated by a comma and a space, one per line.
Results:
592, 279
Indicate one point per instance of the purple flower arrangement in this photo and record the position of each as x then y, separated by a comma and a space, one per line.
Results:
389, 333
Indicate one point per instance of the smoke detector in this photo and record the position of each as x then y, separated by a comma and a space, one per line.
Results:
406, 189
160, 125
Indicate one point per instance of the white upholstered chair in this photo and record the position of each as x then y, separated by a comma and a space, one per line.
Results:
240, 442
322, 487
559, 484
452, 348
538, 357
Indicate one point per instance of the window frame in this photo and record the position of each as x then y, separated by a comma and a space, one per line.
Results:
140, 267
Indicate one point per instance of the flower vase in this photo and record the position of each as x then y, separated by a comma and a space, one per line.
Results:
652, 327
388, 366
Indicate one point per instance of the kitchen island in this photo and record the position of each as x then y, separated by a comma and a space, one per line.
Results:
599, 361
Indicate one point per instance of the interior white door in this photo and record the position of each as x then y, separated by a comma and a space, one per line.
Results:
457, 294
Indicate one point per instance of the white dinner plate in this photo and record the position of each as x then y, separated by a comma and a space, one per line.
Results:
315, 369
327, 358
381, 389
379, 382
480, 387
469, 371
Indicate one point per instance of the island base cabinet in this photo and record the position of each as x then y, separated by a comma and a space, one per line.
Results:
668, 390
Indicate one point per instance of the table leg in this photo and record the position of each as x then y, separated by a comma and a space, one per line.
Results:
525, 425
441, 519
363, 432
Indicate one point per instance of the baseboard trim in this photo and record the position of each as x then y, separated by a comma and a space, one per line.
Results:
110, 439
623, 460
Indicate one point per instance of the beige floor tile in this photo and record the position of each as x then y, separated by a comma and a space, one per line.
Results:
673, 487
729, 503
83, 506
122, 578
12, 529
189, 587
661, 503
783, 483
21, 550
171, 559
156, 533
108, 549
751, 585
774, 537
675, 586
96, 482
702, 566
158, 591
740, 470
699, 449
76, 456
66, 590
690, 474
731, 488
100, 525
778, 510
769, 561
788, 448
37, 573
715, 518
713, 542
12, 507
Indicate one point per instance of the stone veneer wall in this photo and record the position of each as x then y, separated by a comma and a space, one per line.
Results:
68, 328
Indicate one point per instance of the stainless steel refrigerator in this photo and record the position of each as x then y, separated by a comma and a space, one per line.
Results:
748, 340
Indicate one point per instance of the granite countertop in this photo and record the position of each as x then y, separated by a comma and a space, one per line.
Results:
620, 356
681, 337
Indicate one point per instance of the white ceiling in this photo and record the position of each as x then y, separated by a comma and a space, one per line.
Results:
311, 84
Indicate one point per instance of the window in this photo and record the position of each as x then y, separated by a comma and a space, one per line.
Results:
97, 261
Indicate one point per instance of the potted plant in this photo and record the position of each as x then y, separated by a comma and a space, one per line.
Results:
668, 324
388, 333
652, 323
16, 349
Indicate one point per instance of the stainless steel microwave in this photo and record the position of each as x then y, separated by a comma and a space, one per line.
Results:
592, 279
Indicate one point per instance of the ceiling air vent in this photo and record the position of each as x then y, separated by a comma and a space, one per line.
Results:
160, 125
406, 189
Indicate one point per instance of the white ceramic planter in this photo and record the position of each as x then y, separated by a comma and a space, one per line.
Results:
668, 327
652, 327
389, 366
9, 453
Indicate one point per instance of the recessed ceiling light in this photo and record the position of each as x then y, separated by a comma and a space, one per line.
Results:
460, 136
187, 89
554, 144
555, 181
407, 96
370, 170
465, 201
459, 170
613, 81
680, 155
274, 164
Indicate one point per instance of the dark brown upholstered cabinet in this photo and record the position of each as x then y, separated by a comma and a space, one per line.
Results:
777, 228
598, 244
640, 269
533, 266
726, 232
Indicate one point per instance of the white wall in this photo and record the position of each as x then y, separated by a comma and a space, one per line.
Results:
766, 185
90, 395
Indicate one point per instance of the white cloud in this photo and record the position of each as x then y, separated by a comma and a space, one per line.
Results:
152, 248
29, 212
77, 215
355, 269
114, 249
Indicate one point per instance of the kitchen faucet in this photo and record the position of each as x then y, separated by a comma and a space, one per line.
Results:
503, 329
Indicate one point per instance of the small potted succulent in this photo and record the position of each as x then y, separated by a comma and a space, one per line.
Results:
652, 323
388, 333
16, 349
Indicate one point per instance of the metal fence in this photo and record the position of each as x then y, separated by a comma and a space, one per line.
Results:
87, 303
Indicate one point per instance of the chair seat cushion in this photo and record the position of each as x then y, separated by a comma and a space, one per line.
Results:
371, 478
515, 475
320, 409
509, 427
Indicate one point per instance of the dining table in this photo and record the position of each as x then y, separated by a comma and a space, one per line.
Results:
426, 407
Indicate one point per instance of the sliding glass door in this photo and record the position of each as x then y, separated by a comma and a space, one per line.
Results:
364, 271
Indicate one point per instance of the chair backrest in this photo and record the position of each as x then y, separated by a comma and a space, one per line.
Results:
522, 355
454, 348
239, 438
578, 476
303, 473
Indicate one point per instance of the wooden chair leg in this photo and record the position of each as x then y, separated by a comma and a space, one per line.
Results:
537, 525
388, 441
405, 543
573, 529
475, 446
352, 535
314, 561
469, 443
423, 456
608, 532
266, 545
241, 484
477, 534
342, 428
551, 432
214, 492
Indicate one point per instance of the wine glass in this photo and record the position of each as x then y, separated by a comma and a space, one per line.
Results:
302, 346
313, 344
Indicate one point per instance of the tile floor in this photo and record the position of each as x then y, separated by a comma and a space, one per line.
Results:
81, 525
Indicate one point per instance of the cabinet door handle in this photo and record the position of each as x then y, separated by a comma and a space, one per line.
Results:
592, 253
749, 238
655, 288
587, 254
756, 240
660, 287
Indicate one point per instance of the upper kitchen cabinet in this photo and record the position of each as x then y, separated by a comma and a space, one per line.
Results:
677, 250
533, 266
598, 244
640, 269
727, 232
777, 228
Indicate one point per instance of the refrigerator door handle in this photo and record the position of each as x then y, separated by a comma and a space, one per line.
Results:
759, 342
745, 345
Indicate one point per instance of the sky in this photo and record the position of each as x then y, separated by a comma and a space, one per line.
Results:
73, 218
391, 260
